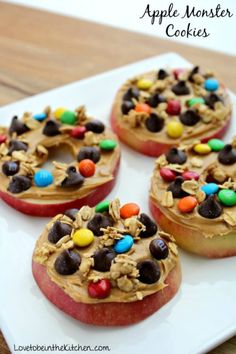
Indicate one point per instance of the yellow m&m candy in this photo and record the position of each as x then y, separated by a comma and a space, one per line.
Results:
202, 149
144, 84
174, 129
83, 237
59, 111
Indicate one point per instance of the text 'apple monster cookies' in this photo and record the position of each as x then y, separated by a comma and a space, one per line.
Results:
155, 111
193, 196
26, 145
108, 265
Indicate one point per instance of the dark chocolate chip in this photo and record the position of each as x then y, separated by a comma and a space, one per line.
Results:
194, 71
180, 88
74, 178
132, 92
97, 222
67, 262
227, 156
127, 106
95, 126
58, 230
159, 249
210, 208
103, 258
211, 99
17, 126
71, 213
189, 118
10, 168
16, 145
155, 100
175, 155
51, 128
154, 123
149, 271
151, 227
176, 189
19, 184
89, 152
162, 74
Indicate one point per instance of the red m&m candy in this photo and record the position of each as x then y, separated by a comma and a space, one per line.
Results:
87, 168
173, 107
100, 290
167, 174
177, 72
78, 132
188, 175
3, 138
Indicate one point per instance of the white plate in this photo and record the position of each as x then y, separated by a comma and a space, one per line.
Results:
202, 315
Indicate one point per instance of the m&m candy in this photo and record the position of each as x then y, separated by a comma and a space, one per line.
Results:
68, 117
227, 197
87, 168
43, 178
202, 149
211, 84
216, 144
100, 289
173, 107
83, 237
167, 174
124, 244
187, 204
174, 129
107, 144
142, 108
144, 84
128, 210
210, 188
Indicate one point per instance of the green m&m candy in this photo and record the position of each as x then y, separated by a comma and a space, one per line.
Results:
68, 117
216, 144
103, 206
227, 197
195, 100
107, 144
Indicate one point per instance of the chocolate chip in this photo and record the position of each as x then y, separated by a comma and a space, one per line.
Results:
189, 118
149, 271
10, 168
74, 178
194, 71
95, 126
151, 227
155, 100
17, 126
227, 156
210, 208
180, 88
132, 92
58, 230
159, 249
19, 184
89, 152
51, 128
127, 106
71, 213
67, 262
97, 222
16, 145
162, 74
211, 99
177, 156
176, 189
154, 123
103, 258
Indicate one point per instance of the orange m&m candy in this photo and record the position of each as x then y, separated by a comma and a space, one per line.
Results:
187, 204
143, 107
128, 210
87, 168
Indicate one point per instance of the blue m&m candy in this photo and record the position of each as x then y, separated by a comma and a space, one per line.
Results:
40, 116
210, 188
124, 244
43, 178
211, 84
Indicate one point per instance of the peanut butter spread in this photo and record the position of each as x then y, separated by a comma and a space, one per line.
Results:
124, 269
27, 145
194, 99
208, 176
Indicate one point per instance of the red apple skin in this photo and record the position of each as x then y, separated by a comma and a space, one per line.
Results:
43, 210
193, 240
152, 148
107, 314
